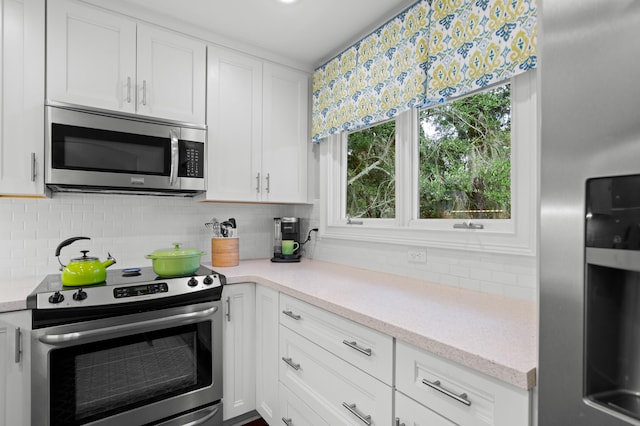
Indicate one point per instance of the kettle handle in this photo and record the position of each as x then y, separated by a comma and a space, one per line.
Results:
66, 243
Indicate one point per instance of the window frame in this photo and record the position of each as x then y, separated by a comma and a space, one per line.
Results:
516, 235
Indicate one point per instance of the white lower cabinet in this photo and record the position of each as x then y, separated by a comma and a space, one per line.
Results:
459, 394
410, 413
239, 348
15, 368
339, 392
294, 412
266, 326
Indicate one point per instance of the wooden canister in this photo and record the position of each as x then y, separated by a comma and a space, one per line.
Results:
224, 251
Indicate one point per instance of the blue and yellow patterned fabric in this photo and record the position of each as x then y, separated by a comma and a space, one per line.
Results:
433, 50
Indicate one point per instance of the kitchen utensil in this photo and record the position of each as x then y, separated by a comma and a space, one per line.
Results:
175, 262
224, 228
214, 226
85, 270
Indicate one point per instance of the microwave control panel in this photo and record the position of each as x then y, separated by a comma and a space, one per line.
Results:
191, 159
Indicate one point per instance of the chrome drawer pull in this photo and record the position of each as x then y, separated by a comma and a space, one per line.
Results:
462, 398
287, 422
292, 315
291, 364
354, 345
398, 422
352, 408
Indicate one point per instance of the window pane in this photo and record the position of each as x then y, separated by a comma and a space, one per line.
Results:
465, 157
371, 189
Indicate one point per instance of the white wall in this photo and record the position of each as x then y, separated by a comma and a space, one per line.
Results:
505, 275
129, 227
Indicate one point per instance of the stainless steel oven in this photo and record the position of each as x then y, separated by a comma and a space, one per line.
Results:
131, 351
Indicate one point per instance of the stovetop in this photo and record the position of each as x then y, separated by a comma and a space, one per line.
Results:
124, 286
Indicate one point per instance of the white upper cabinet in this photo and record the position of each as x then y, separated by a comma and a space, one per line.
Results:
171, 79
104, 60
21, 97
285, 133
234, 120
257, 118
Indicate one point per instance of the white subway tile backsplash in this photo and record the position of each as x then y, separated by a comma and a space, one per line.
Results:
129, 227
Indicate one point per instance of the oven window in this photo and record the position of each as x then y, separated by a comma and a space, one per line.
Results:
80, 148
101, 379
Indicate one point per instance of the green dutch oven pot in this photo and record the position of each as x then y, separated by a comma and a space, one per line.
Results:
175, 262
85, 270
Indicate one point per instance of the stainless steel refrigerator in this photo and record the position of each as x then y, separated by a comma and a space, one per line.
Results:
589, 251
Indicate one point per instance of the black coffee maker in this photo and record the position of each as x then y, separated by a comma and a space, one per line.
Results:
286, 239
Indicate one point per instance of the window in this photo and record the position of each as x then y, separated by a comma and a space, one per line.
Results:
371, 175
437, 169
465, 157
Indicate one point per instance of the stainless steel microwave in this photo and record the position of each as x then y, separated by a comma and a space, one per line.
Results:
96, 151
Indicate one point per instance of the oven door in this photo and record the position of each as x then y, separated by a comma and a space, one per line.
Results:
147, 368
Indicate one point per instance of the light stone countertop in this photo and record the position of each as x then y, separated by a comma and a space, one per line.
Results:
490, 334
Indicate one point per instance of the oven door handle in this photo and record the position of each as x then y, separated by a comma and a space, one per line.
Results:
180, 319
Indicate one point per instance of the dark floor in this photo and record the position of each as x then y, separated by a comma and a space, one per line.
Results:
258, 422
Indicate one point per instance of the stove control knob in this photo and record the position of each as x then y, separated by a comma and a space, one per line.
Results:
192, 282
208, 280
56, 297
80, 295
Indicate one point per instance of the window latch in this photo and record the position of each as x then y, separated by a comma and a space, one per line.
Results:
468, 225
353, 222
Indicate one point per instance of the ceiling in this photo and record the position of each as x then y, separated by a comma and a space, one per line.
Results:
307, 31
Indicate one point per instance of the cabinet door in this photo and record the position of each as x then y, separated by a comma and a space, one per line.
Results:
267, 400
234, 121
15, 369
91, 57
171, 76
239, 348
294, 412
410, 413
341, 393
21, 97
285, 134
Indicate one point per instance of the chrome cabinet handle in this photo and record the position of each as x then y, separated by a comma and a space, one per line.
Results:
268, 182
290, 314
258, 183
354, 345
34, 169
144, 92
180, 319
228, 314
291, 364
462, 398
18, 346
352, 408
287, 422
398, 422
128, 90
175, 157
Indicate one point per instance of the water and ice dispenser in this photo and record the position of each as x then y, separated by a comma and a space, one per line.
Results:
612, 295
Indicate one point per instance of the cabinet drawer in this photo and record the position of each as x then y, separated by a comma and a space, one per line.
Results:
340, 393
367, 349
410, 413
459, 393
294, 412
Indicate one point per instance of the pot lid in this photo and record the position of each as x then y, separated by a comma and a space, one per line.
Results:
84, 257
176, 252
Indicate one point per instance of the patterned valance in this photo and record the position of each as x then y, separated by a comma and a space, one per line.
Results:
433, 50
476, 43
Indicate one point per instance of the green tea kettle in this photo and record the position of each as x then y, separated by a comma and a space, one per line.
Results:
83, 270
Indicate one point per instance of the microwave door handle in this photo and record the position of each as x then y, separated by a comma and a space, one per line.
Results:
173, 174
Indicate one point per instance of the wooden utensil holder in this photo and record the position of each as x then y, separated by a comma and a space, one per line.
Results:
224, 251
